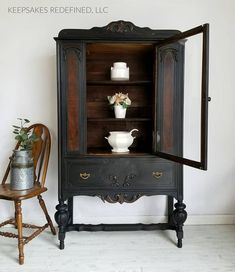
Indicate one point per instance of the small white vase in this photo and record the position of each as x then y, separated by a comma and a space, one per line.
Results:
119, 71
119, 111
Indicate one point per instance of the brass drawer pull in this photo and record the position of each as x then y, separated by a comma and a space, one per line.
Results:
157, 175
85, 175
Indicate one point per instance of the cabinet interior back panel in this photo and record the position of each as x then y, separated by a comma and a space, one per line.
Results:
98, 105
101, 56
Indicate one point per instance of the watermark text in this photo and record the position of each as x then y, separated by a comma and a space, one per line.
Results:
58, 10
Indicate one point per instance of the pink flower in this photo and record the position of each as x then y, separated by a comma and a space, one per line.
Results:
119, 99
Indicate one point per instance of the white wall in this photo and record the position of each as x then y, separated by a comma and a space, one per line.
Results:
28, 89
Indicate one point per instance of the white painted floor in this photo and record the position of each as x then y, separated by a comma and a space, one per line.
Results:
205, 248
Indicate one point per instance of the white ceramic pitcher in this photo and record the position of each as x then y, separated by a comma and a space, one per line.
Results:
120, 140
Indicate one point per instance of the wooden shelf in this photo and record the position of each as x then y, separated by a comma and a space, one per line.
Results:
105, 152
115, 83
118, 119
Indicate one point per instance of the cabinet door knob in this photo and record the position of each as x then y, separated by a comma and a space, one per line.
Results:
85, 175
157, 174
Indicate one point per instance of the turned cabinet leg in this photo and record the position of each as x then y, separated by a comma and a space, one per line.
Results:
170, 202
62, 218
179, 217
70, 210
19, 227
43, 206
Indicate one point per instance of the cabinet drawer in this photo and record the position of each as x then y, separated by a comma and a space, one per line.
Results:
85, 173
120, 173
151, 174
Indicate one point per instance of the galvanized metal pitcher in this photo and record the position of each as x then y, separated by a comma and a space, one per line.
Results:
22, 170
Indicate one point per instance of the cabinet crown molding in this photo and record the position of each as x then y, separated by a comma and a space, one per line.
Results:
123, 27
116, 29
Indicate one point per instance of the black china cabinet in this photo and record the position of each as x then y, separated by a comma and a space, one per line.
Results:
154, 165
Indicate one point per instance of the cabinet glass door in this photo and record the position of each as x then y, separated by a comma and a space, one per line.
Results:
193, 90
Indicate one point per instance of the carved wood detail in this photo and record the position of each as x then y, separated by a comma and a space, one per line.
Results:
120, 198
165, 51
117, 182
128, 179
123, 27
76, 50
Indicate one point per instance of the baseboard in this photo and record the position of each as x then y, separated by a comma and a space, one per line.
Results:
211, 219
191, 220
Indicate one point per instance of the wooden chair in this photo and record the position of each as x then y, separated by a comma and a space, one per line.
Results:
41, 153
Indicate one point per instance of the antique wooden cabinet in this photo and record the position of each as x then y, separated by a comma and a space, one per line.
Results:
154, 165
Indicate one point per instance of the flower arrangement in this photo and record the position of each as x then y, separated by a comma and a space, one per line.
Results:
119, 99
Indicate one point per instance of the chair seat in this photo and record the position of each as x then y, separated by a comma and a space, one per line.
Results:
8, 194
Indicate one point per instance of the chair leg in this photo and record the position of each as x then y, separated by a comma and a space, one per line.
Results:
15, 216
19, 227
43, 206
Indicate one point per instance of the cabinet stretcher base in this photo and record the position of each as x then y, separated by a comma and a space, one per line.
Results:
119, 227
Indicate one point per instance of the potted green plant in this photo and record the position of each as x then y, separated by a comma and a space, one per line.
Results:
22, 166
120, 103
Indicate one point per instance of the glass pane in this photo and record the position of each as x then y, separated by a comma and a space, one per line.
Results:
192, 98
170, 99
182, 96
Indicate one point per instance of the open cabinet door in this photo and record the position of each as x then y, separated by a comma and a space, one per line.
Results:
173, 90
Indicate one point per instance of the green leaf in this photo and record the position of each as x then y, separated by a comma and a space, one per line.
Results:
23, 131
18, 138
24, 137
26, 120
15, 132
16, 126
124, 105
20, 119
